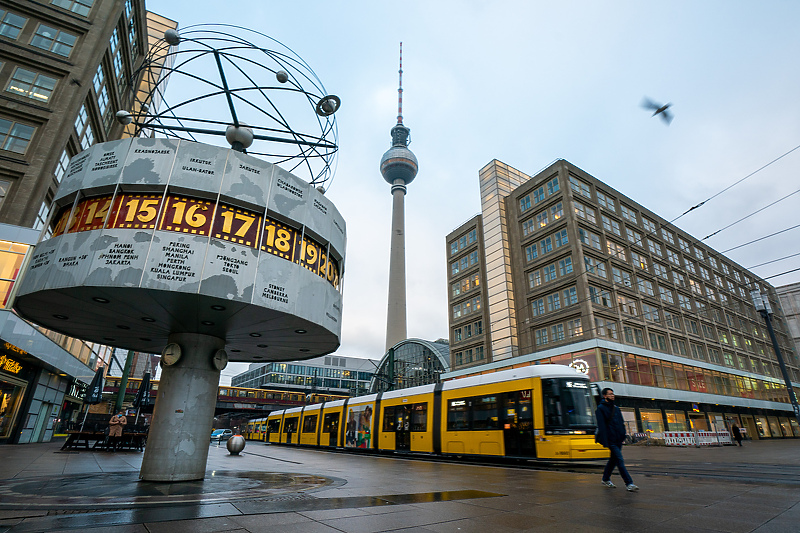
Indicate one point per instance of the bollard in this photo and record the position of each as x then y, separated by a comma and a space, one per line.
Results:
235, 444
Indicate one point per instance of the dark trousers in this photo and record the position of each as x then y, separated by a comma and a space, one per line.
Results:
616, 460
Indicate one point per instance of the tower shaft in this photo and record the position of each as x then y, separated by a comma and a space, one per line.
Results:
396, 329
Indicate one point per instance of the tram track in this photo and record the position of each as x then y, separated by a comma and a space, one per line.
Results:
749, 473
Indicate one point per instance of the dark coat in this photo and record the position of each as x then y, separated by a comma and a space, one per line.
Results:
737, 434
610, 425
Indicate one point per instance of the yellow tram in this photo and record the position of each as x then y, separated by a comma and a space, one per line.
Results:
541, 411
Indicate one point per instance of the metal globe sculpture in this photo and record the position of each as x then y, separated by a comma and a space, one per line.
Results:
254, 79
235, 444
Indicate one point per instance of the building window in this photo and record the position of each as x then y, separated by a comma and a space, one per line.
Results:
673, 257
650, 313
31, 85
710, 294
672, 320
5, 186
589, 238
610, 225
633, 335
537, 307
649, 225
132, 36
553, 302
660, 271
549, 273
658, 342
557, 211
605, 328
620, 276
527, 227
616, 250
666, 295
679, 347
525, 203
557, 332
41, 217
14, 136
534, 279
606, 201
655, 248
684, 246
586, 213
579, 187
574, 328
53, 40
546, 245
645, 287
628, 213
667, 236
531, 253
691, 327
570, 296
565, 266
679, 279
685, 302
600, 296
626, 305
561, 238
634, 237
698, 253
81, 7
639, 261
11, 24
538, 195
705, 274
552, 186
541, 336
541, 219
595, 266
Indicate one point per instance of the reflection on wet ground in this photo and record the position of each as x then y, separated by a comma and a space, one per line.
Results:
95, 491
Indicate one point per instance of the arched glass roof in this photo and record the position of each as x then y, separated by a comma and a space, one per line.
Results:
410, 363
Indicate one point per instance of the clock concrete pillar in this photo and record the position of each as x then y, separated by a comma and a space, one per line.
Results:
177, 445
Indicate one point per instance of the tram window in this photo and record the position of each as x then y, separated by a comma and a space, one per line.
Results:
251, 394
484, 413
419, 417
458, 415
330, 422
290, 425
310, 424
273, 426
567, 404
388, 418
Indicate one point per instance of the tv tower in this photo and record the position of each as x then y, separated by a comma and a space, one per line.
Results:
399, 168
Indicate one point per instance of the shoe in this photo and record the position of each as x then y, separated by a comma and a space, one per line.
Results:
608, 484
631, 487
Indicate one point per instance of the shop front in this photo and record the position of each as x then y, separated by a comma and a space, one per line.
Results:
15, 379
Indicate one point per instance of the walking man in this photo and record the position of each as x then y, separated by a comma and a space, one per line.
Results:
611, 434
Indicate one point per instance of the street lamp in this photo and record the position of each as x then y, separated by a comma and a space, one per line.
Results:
761, 302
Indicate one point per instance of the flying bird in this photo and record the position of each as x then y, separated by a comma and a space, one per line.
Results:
658, 109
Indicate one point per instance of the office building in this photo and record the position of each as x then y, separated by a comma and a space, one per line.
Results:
66, 67
561, 268
334, 374
790, 306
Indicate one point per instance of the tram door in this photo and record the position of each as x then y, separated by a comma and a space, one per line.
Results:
330, 425
518, 423
402, 433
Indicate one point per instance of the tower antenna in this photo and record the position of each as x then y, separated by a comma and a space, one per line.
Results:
400, 89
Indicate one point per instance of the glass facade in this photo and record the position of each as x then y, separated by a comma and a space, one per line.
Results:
411, 363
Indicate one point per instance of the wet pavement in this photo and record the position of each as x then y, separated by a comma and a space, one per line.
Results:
731, 489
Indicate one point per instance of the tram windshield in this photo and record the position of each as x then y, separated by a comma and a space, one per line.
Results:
568, 404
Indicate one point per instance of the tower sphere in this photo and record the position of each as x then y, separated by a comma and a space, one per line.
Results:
399, 163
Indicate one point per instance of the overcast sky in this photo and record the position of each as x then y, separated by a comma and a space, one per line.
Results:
529, 82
